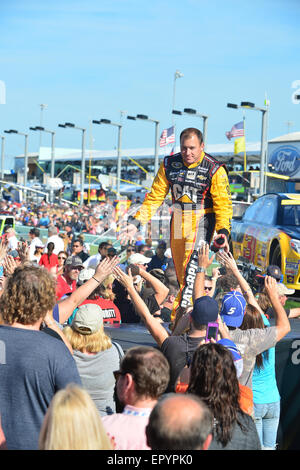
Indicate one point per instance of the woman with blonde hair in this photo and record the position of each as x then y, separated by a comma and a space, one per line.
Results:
96, 356
72, 422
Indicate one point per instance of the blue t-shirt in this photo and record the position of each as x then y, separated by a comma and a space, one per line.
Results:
264, 382
33, 367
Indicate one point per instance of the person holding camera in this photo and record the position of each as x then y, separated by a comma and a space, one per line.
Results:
179, 349
252, 341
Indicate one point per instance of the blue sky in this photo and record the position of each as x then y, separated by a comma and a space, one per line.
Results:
92, 59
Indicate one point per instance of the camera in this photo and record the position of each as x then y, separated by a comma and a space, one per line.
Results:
251, 274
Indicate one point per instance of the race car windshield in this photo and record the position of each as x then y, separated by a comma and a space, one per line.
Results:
291, 215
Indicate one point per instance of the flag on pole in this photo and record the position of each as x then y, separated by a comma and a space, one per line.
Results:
167, 136
236, 131
239, 145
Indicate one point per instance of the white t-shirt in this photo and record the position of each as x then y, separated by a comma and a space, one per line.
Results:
58, 244
92, 261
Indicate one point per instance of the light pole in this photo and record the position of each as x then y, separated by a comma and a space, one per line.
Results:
177, 74
2, 156
193, 112
42, 129
119, 162
143, 117
42, 106
263, 149
13, 131
83, 130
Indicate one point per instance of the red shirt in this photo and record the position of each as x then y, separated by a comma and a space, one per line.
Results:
62, 287
111, 313
48, 264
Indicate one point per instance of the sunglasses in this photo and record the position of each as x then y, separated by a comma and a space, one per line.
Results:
207, 288
117, 374
62, 257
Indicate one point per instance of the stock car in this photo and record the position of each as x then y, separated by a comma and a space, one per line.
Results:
269, 233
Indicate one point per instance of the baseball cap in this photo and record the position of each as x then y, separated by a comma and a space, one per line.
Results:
137, 258
88, 319
205, 310
236, 355
74, 261
274, 271
85, 275
233, 308
283, 290
39, 245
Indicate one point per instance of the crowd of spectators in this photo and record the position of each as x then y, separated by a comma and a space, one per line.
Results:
74, 387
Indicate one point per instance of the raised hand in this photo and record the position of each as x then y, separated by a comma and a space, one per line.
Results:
127, 234
106, 266
23, 251
3, 248
9, 265
271, 286
204, 260
227, 260
125, 279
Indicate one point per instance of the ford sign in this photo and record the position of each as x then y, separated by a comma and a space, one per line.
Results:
285, 160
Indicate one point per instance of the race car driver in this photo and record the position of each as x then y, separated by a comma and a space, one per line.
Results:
201, 205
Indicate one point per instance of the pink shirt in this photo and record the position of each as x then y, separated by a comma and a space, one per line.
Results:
128, 428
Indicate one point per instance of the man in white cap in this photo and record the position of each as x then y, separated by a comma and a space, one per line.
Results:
283, 292
139, 259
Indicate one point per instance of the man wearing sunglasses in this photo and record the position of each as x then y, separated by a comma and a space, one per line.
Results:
67, 282
130, 250
143, 377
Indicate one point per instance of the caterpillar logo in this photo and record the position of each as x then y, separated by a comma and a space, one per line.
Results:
187, 292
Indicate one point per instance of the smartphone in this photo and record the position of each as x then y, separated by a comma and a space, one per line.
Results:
212, 331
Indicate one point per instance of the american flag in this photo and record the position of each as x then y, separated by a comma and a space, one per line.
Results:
167, 137
236, 131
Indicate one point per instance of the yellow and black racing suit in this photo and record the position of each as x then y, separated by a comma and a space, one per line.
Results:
201, 205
